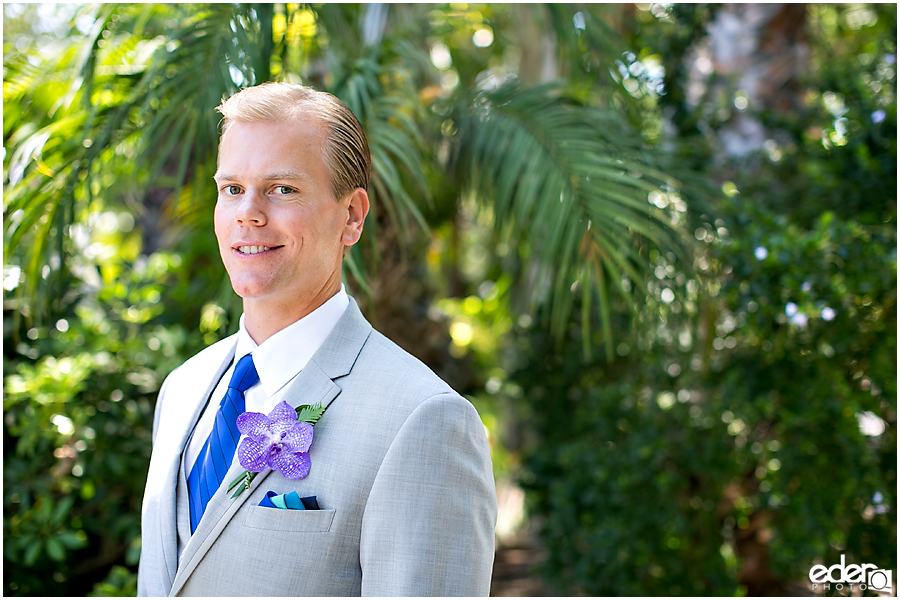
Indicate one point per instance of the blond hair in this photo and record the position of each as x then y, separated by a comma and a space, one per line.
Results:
346, 150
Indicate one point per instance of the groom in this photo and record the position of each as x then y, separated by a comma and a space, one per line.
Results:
394, 496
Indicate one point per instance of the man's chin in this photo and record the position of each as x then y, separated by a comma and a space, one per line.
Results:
255, 291
249, 290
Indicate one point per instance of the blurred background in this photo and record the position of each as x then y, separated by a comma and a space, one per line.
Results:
654, 244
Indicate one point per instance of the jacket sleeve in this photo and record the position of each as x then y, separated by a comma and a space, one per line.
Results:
149, 581
158, 409
428, 525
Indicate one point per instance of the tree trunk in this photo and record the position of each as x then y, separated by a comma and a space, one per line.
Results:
758, 50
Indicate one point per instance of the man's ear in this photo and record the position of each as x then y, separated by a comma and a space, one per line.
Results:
357, 209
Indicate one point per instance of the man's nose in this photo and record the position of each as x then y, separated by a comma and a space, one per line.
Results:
251, 210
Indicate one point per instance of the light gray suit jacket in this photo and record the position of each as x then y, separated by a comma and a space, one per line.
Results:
400, 467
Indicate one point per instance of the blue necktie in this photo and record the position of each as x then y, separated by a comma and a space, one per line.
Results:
218, 451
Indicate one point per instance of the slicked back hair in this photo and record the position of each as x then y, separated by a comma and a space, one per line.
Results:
346, 150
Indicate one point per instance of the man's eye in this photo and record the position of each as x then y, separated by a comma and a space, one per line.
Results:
283, 189
233, 190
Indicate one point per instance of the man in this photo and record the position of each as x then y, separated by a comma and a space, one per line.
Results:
399, 464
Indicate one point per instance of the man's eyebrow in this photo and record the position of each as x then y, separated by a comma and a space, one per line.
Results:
284, 175
274, 176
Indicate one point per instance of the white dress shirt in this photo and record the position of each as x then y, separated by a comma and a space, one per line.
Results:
277, 360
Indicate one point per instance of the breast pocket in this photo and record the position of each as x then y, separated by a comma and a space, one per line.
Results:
275, 519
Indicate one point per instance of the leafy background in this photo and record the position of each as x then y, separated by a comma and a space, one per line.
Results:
654, 244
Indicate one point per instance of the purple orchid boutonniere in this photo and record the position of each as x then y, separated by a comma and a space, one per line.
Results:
279, 440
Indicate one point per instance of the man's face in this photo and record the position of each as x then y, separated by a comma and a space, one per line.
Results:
278, 225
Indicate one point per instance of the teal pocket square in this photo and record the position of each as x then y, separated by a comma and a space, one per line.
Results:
289, 501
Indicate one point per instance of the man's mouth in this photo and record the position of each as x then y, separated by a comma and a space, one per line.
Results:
255, 249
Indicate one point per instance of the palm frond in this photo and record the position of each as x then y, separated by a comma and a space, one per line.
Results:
569, 186
588, 39
159, 108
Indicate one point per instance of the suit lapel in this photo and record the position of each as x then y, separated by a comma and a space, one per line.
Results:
314, 384
338, 354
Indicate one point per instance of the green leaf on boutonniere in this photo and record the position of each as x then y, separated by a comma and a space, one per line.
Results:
310, 414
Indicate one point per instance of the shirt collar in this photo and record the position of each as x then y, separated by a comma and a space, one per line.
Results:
281, 357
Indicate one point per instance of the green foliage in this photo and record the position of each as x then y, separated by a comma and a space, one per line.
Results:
562, 180
78, 404
837, 148
120, 582
310, 414
627, 491
815, 370
652, 473
747, 429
